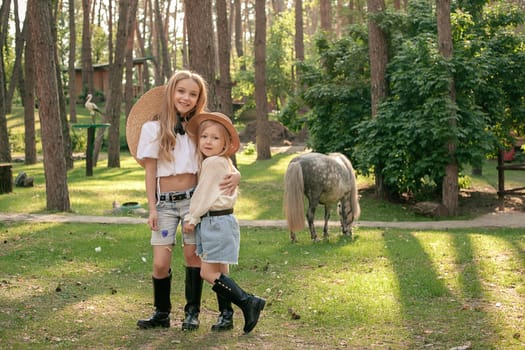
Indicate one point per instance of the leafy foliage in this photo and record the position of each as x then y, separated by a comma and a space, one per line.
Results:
409, 135
338, 93
278, 58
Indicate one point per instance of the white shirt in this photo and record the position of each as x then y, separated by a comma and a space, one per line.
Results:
185, 159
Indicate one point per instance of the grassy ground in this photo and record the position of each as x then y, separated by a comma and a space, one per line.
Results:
83, 286
385, 289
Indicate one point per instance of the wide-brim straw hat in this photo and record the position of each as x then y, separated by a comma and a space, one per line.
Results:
145, 109
193, 127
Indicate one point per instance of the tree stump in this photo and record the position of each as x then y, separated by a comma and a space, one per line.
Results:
431, 209
6, 178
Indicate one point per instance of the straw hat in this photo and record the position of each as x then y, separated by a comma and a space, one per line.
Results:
147, 107
193, 127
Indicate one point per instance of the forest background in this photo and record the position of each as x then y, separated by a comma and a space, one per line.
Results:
412, 92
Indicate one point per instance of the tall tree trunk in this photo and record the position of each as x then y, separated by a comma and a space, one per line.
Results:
68, 153
238, 32
71, 68
142, 47
174, 46
155, 46
199, 24
247, 29
99, 138
450, 181
299, 34
129, 89
5, 151
171, 55
224, 88
16, 76
29, 99
326, 15
224, 84
351, 8
163, 44
111, 51
57, 194
312, 16
278, 6
341, 21
263, 130
127, 13
87, 61
378, 52
185, 58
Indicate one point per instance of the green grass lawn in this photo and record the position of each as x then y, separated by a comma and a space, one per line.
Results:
386, 289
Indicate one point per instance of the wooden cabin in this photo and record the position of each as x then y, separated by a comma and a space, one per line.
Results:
101, 77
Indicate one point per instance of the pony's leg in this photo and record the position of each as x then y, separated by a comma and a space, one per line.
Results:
343, 218
293, 237
310, 216
326, 218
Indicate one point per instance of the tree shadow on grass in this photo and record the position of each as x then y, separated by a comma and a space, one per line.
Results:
433, 312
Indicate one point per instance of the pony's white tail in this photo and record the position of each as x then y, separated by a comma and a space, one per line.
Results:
293, 202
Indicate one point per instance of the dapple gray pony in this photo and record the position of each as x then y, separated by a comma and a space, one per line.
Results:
323, 179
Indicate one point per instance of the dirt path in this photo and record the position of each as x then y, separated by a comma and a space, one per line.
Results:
513, 219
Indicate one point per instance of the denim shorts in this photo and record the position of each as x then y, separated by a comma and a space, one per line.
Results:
171, 215
218, 239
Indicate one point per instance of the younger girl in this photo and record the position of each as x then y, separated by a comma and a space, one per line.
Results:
211, 218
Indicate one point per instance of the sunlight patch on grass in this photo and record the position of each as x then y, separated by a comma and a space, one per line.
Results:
499, 260
362, 297
445, 259
502, 270
247, 209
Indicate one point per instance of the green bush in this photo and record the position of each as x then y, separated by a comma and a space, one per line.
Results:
78, 141
16, 141
249, 148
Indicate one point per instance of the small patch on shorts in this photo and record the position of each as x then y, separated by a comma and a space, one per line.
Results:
164, 233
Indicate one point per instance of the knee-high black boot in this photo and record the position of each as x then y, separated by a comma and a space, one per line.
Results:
193, 292
162, 302
250, 305
225, 319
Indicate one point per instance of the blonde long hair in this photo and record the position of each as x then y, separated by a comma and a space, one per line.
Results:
168, 114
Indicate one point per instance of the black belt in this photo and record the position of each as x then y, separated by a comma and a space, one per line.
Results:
218, 212
175, 196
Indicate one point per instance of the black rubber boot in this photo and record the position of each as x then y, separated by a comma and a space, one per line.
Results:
250, 305
193, 292
162, 302
225, 319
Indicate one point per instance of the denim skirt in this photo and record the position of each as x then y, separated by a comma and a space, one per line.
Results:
218, 239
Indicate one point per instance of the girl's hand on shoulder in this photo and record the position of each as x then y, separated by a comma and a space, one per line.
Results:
230, 182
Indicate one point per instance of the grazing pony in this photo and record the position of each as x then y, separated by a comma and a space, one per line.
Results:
323, 179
